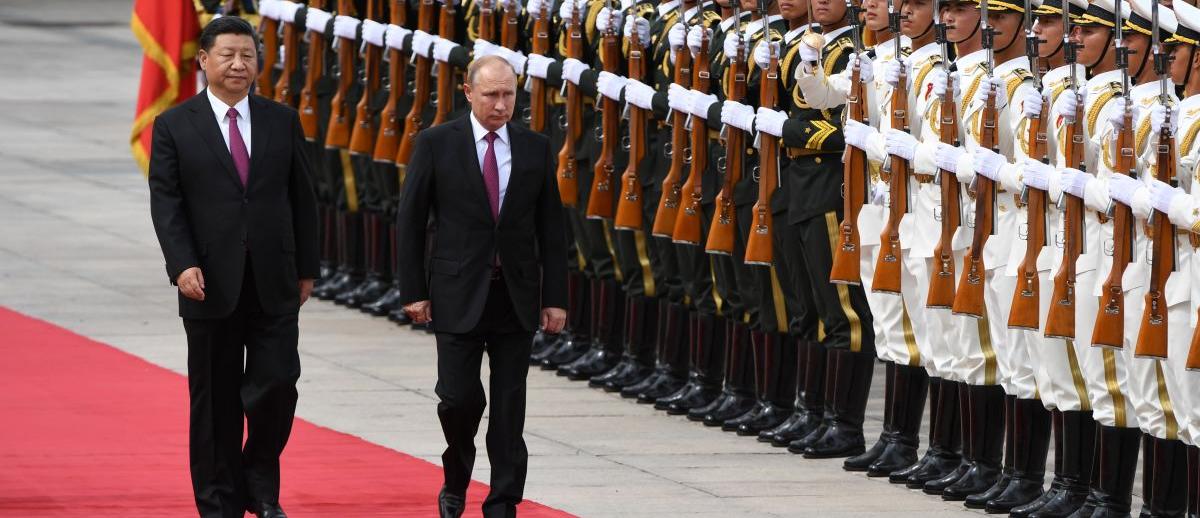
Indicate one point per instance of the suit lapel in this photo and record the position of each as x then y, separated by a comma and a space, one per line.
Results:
469, 159
258, 136
206, 124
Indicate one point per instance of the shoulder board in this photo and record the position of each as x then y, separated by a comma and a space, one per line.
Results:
711, 18
833, 52
1015, 78
645, 9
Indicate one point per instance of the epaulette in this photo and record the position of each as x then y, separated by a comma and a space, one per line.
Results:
1014, 78
710, 18
644, 9
833, 51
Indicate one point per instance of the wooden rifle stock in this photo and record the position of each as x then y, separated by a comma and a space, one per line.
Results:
445, 78
487, 20
668, 204
942, 278
887, 264
291, 50
969, 299
388, 139
629, 202
362, 139
315, 68
723, 230
600, 198
1152, 334
1060, 319
423, 67
687, 223
568, 174
269, 29
1193, 359
340, 117
508, 32
538, 99
1109, 330
1025, 312
847, 256
760, 244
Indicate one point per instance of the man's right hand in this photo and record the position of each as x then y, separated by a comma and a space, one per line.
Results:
419, 312
191, 283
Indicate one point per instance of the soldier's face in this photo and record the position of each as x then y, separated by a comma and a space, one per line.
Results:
1093, 44
749, 5
492, 95
876, 13
1181, 59
918, 15
828, 12
1049, 29
793, 9
231, 65
1139, 45
962, 21
1009, 26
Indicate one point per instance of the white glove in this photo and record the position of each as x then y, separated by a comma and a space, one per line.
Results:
639, 94
1122, 188
346, 27
1162, 194
642, 26
770, 121
679, 98
573, 68
1031, 102
996, 84
395, 36
372, 32
677, 37
269, 9
515, 58
608, 16
900, 143
763, 52
988, 163
483, 48
1158, 113
316, 20
1066, 106
946, 156
610, 85
700, 103
891, 72
808, 53
732, 41
695, 35
534, 8
938, 79
1116, 117
1074, 181
866, 72
737, 115
566, 11
421, 43
442, 48
879, 193
1037, 175
287, 10
857, 134
537, 65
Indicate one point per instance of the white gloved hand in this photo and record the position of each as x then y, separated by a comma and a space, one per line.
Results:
317, 20
346, 27
269, 9
395, 36
763, 52
572, 69
566, 11
1162, 195
700, 103
737, 115
1067, 103
938, 79
988, 163
515, 59
996, 84
770, 121
679, 98
946, 156
287, 10
891, 72
866, 72
1031, 102
857, 134
677, 37
879, 193
610, 85
483, 48
1116, 117
694, 37
421, 43
534, 8
608, 16
1074, 181
537, 65
900, 143
1122, 188
1036, 175
641, 25
639, 94
372, 32
1158, 113
442, 48
808, 53
731, 44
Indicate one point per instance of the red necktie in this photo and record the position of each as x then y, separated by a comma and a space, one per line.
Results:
237, 147
491, 174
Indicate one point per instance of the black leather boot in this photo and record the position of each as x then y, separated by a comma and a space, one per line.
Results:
789, 426
852, 387
863, 461
692, 382
1057, 485
1166, 494
656, 342
1078, 446
710, 351
1193, 479
642, 343
633, 315
956, 397
356, 255
911, 386
328, 243
753, 353
1029, 468
390, 298
934, 388
815, 388
375, 283
671, 366
736, 396
580, 340
979, 500
1117, 465
986, 417
336, 281
606, 347
778, 385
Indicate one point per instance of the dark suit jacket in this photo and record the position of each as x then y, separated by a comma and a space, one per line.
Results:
444, 180
204, 217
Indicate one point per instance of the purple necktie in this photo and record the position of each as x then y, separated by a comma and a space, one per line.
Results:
491, 174
237, 147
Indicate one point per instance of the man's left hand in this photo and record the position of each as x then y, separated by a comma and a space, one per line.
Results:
553, 320
306, 287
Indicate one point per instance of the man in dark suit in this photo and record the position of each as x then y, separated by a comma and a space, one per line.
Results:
496, 271
237, 222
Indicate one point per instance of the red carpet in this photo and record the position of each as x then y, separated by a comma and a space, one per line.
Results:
88, 430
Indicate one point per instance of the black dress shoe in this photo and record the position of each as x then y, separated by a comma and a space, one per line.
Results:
837, 442
267, 510
384, 304
369, 291
868, 457
450, 505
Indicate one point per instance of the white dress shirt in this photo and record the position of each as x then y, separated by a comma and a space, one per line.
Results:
221, 111
500, 147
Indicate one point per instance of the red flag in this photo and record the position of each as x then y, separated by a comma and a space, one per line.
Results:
167, 31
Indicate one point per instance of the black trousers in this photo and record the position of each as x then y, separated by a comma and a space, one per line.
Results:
842, 309
462, 401
227, 475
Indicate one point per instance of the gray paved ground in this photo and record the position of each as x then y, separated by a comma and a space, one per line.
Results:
77, 249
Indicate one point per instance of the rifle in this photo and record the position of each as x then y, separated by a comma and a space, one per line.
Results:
487, 20
668, 204
568, 181
1109, 330
423, 68
1152, 334
508, 32
760, 248
941, 282
389, 119
847, 256
724, 224
629, 203
445, 71
887, 264
315, 68
362, 139
1025, 311
687, 224
600, 199
338, 133
537, 94
1060, 319
291, 58
969, 299
269, 29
